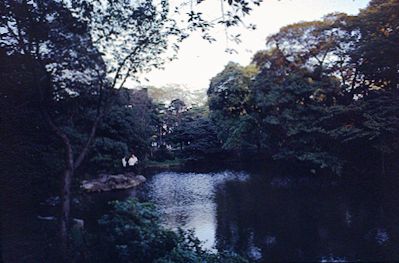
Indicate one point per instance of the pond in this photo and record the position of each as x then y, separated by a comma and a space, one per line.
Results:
279, 218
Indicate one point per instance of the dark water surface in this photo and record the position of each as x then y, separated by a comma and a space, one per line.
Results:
267, 215
280, 218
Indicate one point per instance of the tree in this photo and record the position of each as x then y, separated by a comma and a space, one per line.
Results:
323, 47
377, 47
63, 41
317, 96
196, 134
290, 109
29, 157
63, 65
230, 107
366, 130
369, 118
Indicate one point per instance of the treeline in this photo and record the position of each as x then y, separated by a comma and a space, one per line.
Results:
323, 93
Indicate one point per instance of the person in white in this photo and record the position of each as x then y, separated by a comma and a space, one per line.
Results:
129, 163
132, 160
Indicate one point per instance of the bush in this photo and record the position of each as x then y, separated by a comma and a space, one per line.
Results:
162, 154
131, 232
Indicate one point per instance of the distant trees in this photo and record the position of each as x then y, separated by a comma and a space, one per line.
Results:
231, 107
196, 135
167, 93
185, 132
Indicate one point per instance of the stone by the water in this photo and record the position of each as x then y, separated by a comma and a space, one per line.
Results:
110, 182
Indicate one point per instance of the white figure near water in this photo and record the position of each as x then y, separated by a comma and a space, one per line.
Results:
130, 163
132, 160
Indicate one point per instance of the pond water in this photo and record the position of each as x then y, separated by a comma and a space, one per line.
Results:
265, 214
280, 218
188, 200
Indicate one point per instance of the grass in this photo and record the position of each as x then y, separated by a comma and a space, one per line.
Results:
164, 164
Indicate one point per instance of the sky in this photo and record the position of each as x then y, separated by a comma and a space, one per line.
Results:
198, 61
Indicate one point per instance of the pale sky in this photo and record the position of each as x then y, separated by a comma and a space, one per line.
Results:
198, 61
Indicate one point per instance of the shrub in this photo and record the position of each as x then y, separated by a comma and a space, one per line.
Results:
132, 232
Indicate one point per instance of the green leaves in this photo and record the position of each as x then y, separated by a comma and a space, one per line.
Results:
131, 232
322, 93
230, 102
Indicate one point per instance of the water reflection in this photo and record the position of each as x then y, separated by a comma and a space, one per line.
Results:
281, 218
188, 200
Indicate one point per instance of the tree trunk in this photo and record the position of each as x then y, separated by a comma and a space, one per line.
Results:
66, 203
65, 211
71, 166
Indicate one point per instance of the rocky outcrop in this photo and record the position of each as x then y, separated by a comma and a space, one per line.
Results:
107, 182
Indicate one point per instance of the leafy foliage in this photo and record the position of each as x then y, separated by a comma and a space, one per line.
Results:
231, 106
323, 93
127, 128
131, 232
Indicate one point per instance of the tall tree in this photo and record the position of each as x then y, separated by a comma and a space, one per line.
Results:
63, 40
230, 106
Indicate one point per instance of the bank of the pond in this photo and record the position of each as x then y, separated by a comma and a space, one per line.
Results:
167, 164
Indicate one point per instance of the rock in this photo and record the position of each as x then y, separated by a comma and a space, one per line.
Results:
112, 182
141, 178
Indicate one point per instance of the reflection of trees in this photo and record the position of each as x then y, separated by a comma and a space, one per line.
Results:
185, 200
307, 222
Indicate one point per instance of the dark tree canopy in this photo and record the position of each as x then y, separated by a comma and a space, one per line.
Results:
323, 92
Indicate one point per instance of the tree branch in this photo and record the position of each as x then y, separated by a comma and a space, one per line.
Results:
61, 134
122, 64
89, 141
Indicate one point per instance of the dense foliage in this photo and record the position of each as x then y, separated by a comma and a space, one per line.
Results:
232, 108
129, 127
323, 93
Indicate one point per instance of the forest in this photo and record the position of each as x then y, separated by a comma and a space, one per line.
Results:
322, 97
